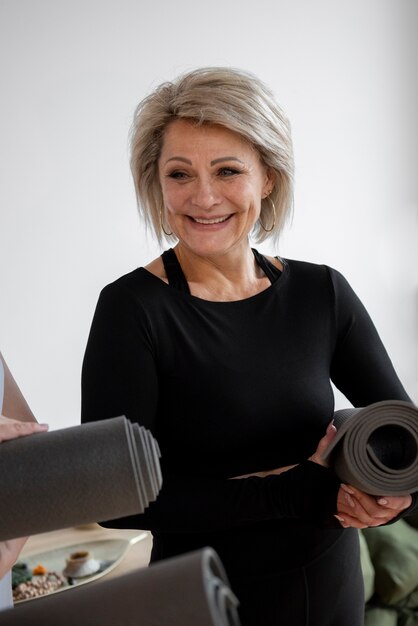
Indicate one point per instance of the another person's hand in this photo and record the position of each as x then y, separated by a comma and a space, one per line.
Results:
11, 429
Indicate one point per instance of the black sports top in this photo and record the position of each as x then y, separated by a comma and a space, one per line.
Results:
230, 388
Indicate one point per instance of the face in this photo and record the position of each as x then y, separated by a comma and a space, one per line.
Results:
212, 183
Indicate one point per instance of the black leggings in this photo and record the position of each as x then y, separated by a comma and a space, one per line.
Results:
327, 592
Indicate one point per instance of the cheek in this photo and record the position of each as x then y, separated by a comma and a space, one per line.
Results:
171, 197
251, 198
175, 203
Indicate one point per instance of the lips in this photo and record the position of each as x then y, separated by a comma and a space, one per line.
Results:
213, 220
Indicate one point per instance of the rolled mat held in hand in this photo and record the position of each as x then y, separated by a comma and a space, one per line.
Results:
77, 475
376, 448
189, 590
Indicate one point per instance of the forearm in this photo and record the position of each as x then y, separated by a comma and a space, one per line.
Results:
308, 491
14, 403
9, 553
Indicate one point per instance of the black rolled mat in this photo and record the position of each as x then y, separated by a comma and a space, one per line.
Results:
376, 448
77, 475
189, 590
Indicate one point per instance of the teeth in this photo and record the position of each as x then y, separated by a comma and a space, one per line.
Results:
216, 220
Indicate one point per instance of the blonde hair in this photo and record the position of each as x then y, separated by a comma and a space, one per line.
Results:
228, 97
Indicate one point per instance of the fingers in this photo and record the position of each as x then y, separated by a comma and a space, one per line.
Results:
323, 444
397, 503
360, 510
11, 429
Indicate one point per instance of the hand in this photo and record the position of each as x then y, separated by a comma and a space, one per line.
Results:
323, 444
354, 507
357, 509
11, 429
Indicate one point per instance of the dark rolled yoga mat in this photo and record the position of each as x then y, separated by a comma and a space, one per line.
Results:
376, 448
189, 590
77, 475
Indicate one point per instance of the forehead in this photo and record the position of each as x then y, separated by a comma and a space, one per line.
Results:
187, 136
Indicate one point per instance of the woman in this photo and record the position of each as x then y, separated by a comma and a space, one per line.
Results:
227, 355
12, 404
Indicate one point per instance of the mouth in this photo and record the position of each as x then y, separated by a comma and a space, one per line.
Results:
211, 221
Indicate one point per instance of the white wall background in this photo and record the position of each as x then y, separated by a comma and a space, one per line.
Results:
71, 75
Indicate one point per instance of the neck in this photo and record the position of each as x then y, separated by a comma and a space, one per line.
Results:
233, 276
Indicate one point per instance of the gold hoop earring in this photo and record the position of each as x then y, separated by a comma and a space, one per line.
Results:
162, 224
268, 230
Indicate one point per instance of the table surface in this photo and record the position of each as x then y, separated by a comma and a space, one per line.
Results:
136, 556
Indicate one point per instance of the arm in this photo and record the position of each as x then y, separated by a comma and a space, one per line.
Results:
13, 404
10, 429
362, 370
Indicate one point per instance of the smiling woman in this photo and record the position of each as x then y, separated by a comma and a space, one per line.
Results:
227, 356
229, 100
212, 183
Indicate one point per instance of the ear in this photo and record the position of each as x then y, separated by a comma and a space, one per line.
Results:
269, 182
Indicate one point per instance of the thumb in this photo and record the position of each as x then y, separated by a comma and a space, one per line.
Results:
323, 444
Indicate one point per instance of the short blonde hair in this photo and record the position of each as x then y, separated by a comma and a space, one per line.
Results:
228, 97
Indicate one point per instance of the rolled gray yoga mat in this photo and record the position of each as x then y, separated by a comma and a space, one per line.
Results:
77, 475
376, 448
189, 590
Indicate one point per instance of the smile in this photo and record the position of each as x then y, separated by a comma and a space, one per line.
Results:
215, 220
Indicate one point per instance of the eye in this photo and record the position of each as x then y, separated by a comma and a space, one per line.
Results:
177, 175
228, 171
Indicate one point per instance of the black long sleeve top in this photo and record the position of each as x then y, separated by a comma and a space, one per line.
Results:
231, 388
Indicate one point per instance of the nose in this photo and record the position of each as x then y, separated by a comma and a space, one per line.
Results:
204, 194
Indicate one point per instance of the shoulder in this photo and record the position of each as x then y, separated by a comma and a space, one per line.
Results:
315, 279
139, 280
305, 267
124, 283
308, 270
305, 271
127, 302
131, 293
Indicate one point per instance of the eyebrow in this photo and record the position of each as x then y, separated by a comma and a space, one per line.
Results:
227, 158
214, 162
179, 158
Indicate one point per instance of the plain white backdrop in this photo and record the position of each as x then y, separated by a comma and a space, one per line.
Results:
72, 73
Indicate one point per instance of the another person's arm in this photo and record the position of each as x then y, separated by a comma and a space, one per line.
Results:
14, 404
10, 429
16, 420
